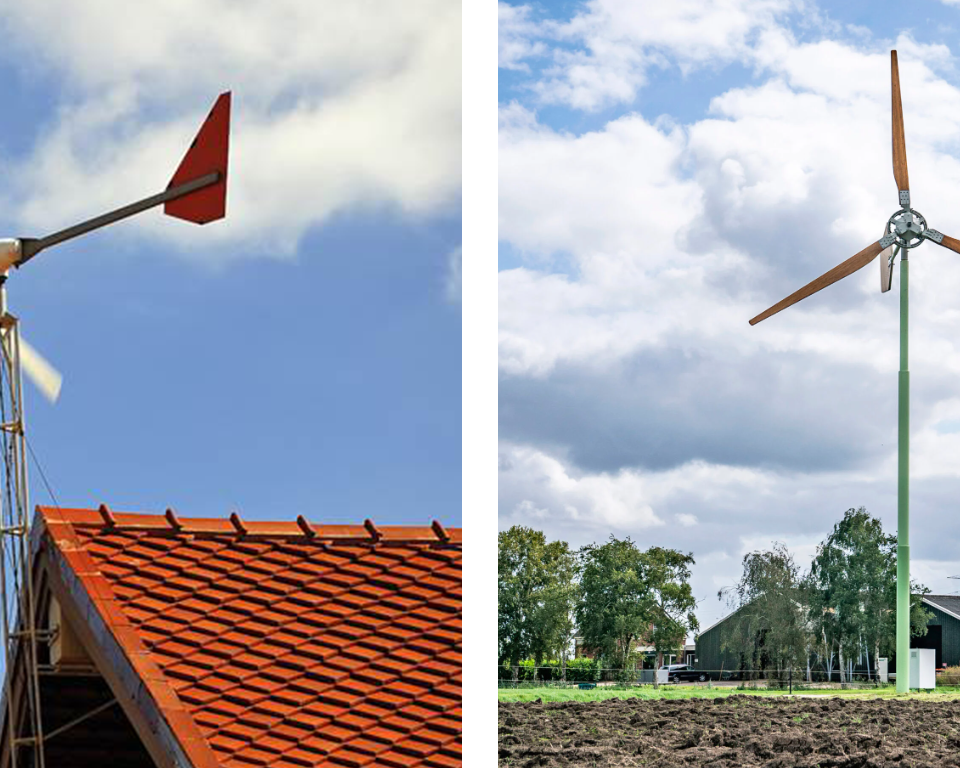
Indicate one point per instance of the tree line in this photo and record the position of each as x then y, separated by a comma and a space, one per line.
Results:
613, 596
616, 597
840, 610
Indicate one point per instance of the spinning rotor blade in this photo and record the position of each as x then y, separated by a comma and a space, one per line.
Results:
899, 142
46, 378
851, 265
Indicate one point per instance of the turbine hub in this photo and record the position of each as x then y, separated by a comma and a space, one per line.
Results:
907, 227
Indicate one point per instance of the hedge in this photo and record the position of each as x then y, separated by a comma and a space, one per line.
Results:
581, 670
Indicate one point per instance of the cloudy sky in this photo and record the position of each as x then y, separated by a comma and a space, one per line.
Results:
301, 356
669, 170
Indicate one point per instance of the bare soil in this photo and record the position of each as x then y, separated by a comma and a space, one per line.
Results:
731, 731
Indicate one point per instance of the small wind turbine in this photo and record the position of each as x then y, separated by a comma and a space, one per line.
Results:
906, 229
198, 193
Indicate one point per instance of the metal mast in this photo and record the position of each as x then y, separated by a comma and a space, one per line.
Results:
903, 488
22, 681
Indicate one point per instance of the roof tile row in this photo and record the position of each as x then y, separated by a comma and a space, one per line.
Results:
290, 644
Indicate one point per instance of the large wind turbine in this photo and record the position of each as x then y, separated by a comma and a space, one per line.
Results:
906, 229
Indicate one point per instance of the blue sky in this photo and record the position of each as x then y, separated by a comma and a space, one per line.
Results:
300, 357
666, 172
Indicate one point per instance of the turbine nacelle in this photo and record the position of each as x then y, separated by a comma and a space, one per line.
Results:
44, 376
10, 253
907, 227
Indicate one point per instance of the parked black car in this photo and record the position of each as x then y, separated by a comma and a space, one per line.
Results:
679, 672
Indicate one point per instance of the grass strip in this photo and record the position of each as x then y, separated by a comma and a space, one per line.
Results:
690, 692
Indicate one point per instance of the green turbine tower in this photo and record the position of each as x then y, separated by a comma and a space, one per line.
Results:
906, 229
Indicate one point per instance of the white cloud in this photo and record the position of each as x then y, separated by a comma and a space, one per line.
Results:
334, 109
686, 520
517, 36
542, 482
618, 41
526, 509
615, 191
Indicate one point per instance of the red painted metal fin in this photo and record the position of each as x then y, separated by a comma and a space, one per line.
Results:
207, 153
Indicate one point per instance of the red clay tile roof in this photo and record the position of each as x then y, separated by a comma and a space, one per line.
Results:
281, 644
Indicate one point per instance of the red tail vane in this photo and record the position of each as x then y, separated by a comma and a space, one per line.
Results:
207, 154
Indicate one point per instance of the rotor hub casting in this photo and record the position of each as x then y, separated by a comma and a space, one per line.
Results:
907, 227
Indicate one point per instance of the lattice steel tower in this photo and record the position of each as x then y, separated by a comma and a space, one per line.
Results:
22, 681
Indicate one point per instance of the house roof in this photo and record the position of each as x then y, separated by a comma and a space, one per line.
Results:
280, 644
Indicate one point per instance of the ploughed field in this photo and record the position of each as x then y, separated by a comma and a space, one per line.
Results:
731, 731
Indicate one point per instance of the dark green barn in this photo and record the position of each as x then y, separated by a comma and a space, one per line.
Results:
943, 630
943, 636
709, 657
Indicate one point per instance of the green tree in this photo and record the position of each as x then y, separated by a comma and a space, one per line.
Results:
853, 592
613, 610
767, 629
553, 617
823, 619
628, 596
536, 592
562, 621
667, 576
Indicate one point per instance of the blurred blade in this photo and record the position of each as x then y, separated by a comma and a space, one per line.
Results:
40, 372
839, 272
886, 269
899, 142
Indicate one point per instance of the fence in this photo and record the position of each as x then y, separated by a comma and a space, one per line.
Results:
530, 676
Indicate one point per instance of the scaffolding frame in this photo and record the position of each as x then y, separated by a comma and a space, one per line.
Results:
17, 590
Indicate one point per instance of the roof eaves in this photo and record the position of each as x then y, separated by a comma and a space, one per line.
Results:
931, 600
717, 622
152, 706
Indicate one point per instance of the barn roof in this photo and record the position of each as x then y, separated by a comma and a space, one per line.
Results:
948, 603
283, 644
717, 622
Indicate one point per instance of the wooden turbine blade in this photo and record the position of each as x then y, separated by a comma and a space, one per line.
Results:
949, 242
839, 272
899, 142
